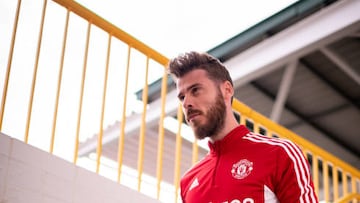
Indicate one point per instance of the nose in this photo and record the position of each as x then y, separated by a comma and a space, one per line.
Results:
187, 102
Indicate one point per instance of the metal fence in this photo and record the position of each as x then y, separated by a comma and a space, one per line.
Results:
71, 74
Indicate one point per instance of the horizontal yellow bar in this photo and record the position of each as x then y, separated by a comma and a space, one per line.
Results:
75, 7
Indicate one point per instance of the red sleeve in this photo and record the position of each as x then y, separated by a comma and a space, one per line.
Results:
294, 183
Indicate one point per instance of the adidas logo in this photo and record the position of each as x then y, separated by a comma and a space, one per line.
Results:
194, 184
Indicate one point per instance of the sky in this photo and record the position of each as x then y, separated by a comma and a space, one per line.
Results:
170, 27
175, 26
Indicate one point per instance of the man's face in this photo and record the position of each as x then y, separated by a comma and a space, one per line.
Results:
202, 102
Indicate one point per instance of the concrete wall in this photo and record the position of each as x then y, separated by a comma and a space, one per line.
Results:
30, 175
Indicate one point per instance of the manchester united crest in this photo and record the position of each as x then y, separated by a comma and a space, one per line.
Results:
241, 169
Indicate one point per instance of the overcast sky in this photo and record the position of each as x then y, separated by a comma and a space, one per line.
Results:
174, 26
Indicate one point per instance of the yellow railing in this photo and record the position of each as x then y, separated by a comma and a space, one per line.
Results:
355, 197
336, 181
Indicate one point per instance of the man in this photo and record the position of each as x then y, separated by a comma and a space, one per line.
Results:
241, 167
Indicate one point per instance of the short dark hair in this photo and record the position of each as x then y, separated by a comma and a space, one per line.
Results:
190, 61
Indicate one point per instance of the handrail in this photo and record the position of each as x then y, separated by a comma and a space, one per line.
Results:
349, 197
112, 29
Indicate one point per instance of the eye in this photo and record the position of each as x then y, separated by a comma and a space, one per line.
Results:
194, 90
181, 98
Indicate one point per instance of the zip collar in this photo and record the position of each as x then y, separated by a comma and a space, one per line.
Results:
224, 145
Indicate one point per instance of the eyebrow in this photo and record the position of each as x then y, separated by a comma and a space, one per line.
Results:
188, 89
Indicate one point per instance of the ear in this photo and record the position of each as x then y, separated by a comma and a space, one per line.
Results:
228, 90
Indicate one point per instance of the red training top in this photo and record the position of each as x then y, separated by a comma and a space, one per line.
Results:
245, 167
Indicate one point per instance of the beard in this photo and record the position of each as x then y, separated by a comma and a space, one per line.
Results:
215, 115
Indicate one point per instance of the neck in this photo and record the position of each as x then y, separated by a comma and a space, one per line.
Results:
230, 124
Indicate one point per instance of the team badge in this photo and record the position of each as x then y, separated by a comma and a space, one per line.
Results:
242, 169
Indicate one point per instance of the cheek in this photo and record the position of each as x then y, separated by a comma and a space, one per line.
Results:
207, 105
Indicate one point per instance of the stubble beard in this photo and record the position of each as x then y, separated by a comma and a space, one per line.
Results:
215, 120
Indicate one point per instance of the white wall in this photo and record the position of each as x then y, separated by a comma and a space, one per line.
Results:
30, 175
